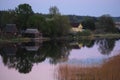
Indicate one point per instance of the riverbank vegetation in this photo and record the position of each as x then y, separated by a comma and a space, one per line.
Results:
109, 70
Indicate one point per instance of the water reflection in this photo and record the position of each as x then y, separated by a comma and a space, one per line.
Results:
106, 46
22, 56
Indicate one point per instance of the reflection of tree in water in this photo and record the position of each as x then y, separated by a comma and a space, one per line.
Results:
24, 66
88, 43
8, 52
15, 58
56, 51
18, 57
83, 43
106, 46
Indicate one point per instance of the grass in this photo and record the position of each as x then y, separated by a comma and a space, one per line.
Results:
110, 70
96, 36
2, 40
93, 36
107, 35
21, 39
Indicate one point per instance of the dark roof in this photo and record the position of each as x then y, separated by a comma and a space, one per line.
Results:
31, 31
74, 24
11, 28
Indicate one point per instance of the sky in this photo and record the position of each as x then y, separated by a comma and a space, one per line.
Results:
73, 7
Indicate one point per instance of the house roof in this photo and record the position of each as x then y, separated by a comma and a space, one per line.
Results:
32, 48
11, 28
31, 31
75, 25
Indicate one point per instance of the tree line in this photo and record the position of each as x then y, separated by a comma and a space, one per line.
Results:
53, 24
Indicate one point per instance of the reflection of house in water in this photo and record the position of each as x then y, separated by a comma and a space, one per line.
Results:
31, 46
9, 49
76, 45
34, 34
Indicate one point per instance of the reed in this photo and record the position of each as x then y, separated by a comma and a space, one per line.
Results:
110, 70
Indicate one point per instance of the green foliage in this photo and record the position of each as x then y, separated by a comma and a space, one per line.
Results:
88, 23
7, 17
54, 11
107, 24
84, 33
23, 11
57, 25
36, 21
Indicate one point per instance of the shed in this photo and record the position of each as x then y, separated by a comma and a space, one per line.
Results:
32, 33
10, 29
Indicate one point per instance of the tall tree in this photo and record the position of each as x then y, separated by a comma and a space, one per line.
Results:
36, 21
107, 24
54, 11
7, 17
58, 25
88, 23
24, 11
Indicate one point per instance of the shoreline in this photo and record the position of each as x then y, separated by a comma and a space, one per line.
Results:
93, 36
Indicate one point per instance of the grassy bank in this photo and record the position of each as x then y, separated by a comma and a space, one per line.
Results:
98, 36
95, 36
75, 37
107, 35
2, 40
15, 40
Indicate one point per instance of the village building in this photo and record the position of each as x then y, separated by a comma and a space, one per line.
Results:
10, 30
76, 27
32, 33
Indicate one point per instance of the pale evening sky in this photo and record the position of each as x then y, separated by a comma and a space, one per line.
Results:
77, 7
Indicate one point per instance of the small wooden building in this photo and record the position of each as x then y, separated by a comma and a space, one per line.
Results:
32, 33
10, 30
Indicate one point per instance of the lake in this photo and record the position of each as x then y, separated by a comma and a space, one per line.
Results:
61, 60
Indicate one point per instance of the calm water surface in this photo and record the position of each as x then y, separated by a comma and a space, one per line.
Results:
42, 61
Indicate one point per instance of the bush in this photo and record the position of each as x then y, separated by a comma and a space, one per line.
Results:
84, 33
